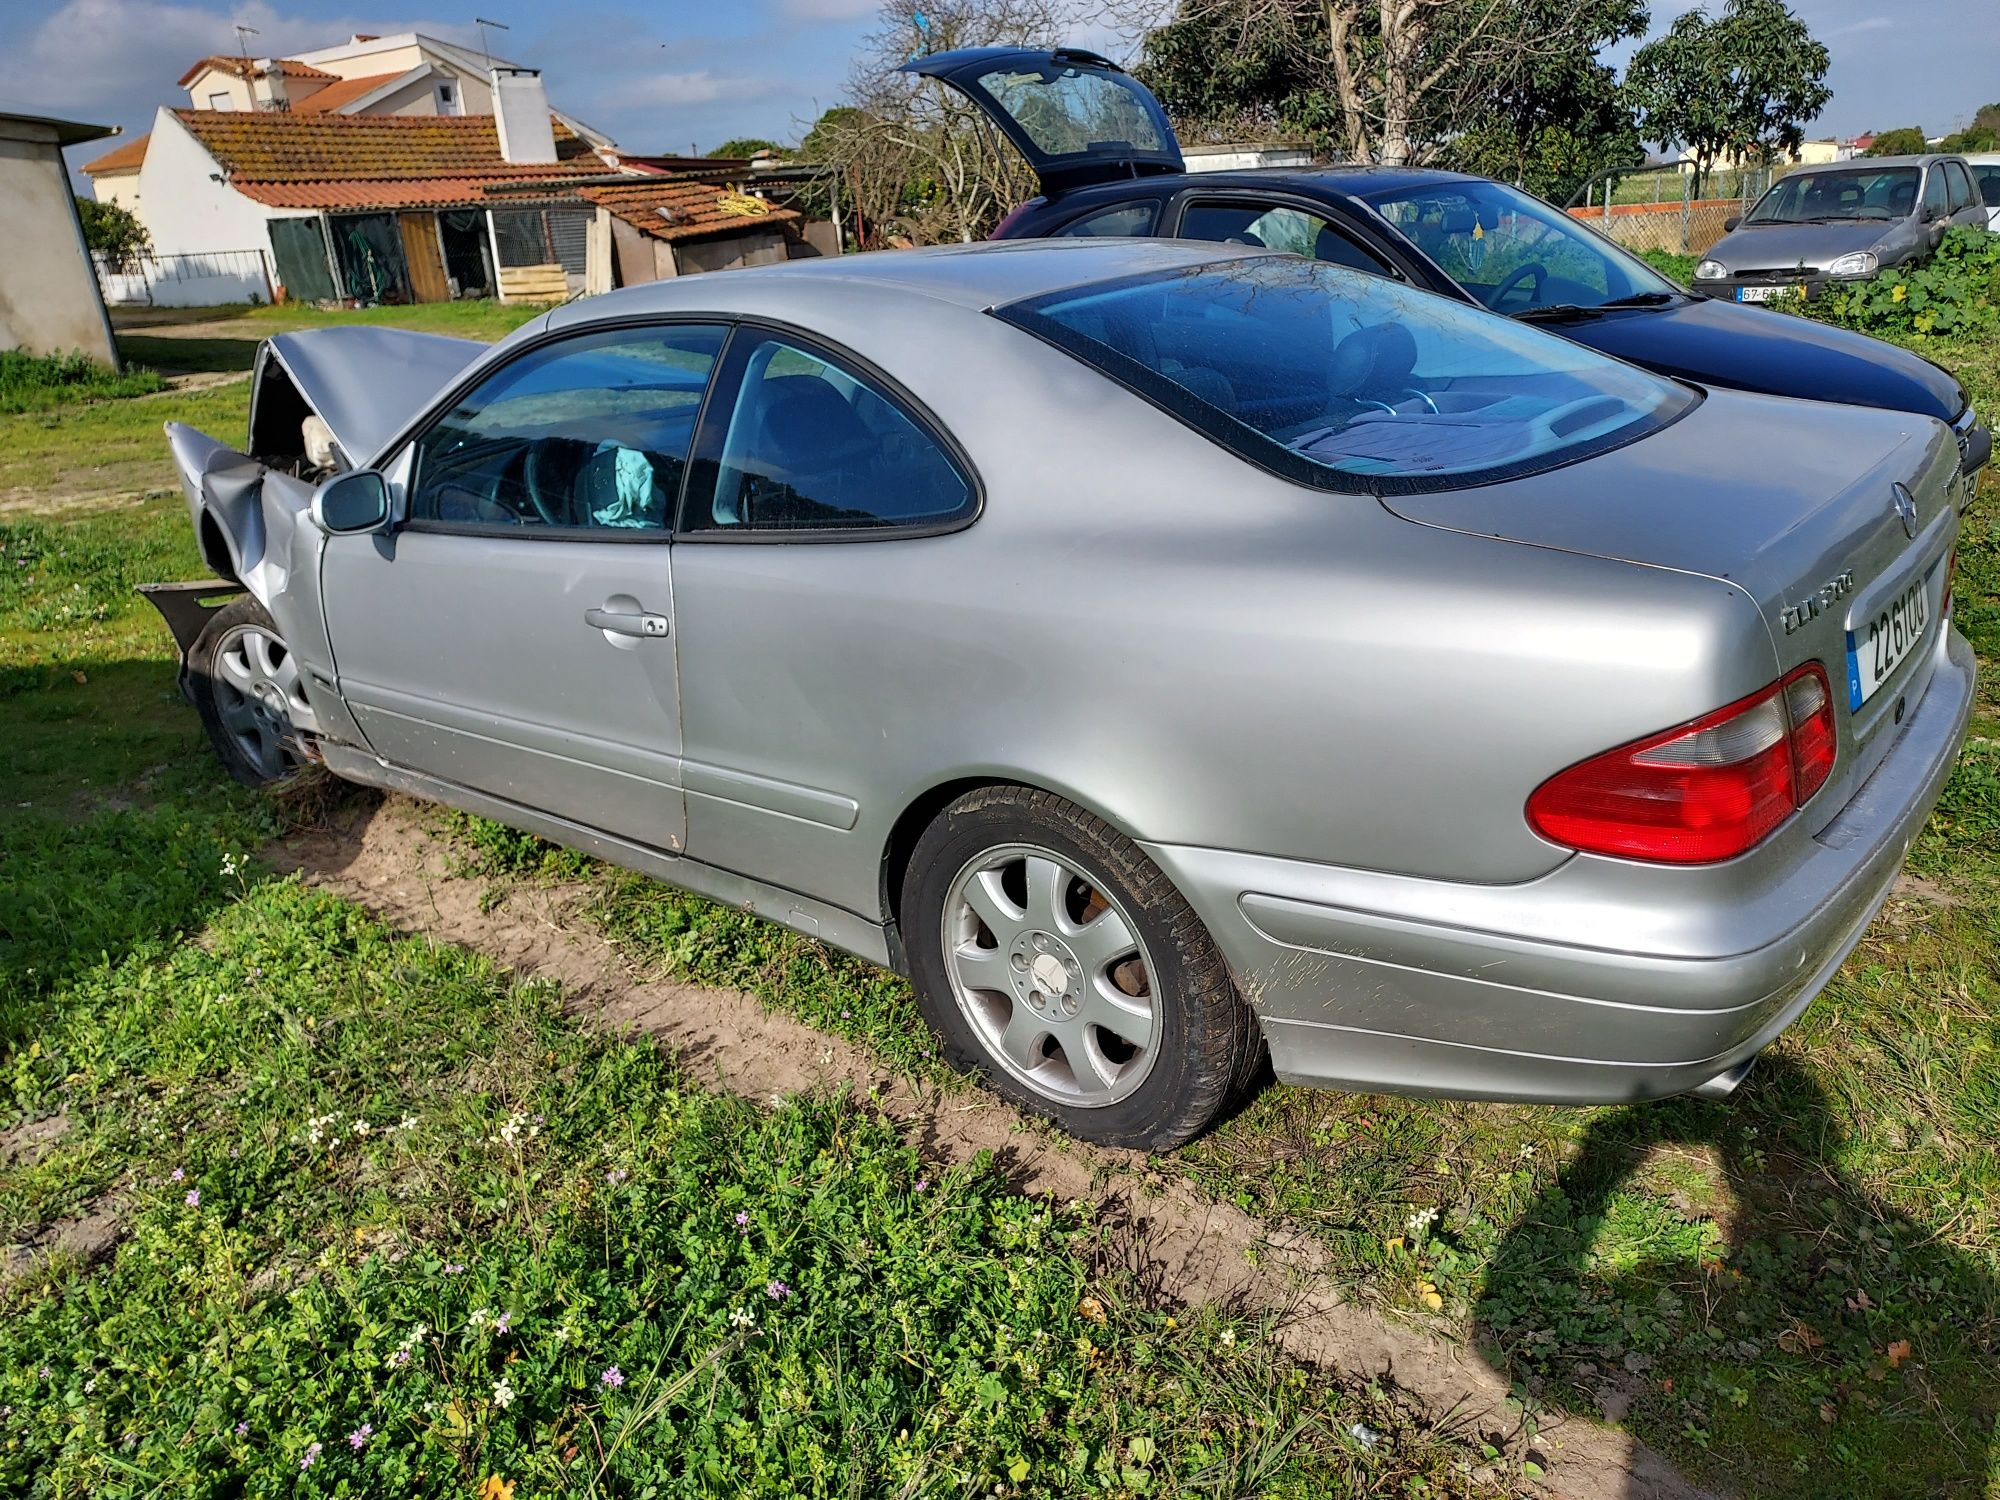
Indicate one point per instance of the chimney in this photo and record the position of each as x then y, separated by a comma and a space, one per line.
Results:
271, 72
521, 116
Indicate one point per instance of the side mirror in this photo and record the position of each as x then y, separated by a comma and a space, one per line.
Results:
351, 503
1729, 224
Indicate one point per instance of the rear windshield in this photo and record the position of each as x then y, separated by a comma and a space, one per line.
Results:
1068, 110
1345, 381
1824, 197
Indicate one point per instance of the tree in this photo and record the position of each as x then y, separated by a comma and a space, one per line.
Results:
1743, 85
913, 158
1983, 134
113, 231
747, 147
1562, 120
1394, 81
1905, 140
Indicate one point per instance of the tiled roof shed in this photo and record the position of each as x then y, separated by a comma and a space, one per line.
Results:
373, 161
677, 209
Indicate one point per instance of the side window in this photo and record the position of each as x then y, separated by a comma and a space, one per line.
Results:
1988, 180
1288, 229
592, 433
1126, 220
1937, 193
811, 445
1962, 196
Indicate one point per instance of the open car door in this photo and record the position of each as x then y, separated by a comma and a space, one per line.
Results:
1078, 118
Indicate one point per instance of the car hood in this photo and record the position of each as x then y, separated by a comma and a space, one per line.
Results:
1757, 247
366, 383
1775, 353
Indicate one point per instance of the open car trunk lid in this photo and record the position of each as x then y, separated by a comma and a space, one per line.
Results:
1837, 521
364, 383
1078, 118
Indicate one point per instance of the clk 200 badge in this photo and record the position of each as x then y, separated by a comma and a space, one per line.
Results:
1796, 615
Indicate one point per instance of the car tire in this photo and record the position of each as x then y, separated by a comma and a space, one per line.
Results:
245, 685
1004, 918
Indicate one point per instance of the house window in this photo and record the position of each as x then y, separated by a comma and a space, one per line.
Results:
220, 101
447, 97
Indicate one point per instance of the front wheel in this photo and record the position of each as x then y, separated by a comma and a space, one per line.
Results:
1054, 958
245, 683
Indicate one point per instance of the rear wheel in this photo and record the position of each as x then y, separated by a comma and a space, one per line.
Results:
245, 683
1054, 958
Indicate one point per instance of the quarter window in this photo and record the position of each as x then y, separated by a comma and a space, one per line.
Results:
591, 434
1277, 227
1127, 220
813, 445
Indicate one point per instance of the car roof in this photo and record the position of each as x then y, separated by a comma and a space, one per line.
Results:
973, 276
1358, 180
1870, 163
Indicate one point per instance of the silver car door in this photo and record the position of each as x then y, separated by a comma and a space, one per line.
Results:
811, 449
514, 632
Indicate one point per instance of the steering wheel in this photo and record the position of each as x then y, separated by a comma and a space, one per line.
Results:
1520, 274
534, 480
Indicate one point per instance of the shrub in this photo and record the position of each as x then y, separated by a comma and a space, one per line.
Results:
1951, 293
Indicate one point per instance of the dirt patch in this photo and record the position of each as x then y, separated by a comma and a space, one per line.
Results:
27, 1143
87, 1237
54, 502
1182, 1247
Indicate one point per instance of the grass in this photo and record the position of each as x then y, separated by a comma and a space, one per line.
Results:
218, 339
393, 1224
1792, 1293
30, 382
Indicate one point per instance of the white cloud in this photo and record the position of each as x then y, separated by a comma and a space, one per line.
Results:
694, 86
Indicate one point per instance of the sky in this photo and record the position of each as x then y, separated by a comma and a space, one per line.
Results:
680, 75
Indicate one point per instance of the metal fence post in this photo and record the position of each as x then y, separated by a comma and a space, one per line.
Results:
1687, 211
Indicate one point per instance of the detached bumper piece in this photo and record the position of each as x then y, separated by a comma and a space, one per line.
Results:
186, 608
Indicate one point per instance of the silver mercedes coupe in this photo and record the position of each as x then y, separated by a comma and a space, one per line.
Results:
1167, 655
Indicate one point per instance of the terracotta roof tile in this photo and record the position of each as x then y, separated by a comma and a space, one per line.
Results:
247, 67
372, 161
679, 209
345, 91
416, 192
126, 158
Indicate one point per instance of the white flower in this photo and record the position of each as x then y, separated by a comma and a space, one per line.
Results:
362, 1127
480, 1317
503, 1393
409, 1123
511, 1131
1228, 1338
1527, 1153
742, 1317
1422, 1219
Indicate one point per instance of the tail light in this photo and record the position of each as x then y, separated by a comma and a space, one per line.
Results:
1705, 791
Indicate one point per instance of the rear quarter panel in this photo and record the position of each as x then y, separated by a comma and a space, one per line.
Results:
1200, 652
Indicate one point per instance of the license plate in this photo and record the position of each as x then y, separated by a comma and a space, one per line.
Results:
1759, 293
1879, 645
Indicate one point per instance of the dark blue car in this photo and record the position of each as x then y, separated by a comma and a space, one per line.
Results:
1108, 164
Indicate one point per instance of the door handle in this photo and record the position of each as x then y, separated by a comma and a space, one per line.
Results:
643, 626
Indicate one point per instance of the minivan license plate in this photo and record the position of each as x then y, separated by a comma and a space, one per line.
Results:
1883, 642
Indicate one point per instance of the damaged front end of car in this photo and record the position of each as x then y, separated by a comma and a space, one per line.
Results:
322, 402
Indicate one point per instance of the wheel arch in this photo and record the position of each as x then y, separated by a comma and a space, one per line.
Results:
924, 808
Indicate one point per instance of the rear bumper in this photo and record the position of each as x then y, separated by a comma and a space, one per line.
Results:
1603, 981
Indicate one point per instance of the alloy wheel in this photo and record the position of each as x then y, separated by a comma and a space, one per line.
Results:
256, 686
1052, 975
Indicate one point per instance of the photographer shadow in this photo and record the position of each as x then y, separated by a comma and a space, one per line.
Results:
1817, 1333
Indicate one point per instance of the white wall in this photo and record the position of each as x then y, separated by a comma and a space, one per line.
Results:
48, 294
121, 188
189, 212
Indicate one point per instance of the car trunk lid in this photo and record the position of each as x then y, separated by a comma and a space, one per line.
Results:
1836, 521
1078, 118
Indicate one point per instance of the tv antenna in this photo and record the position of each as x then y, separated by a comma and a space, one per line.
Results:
242, 44
484, 45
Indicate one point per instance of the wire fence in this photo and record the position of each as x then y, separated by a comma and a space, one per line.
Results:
1656, 208
205, 280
